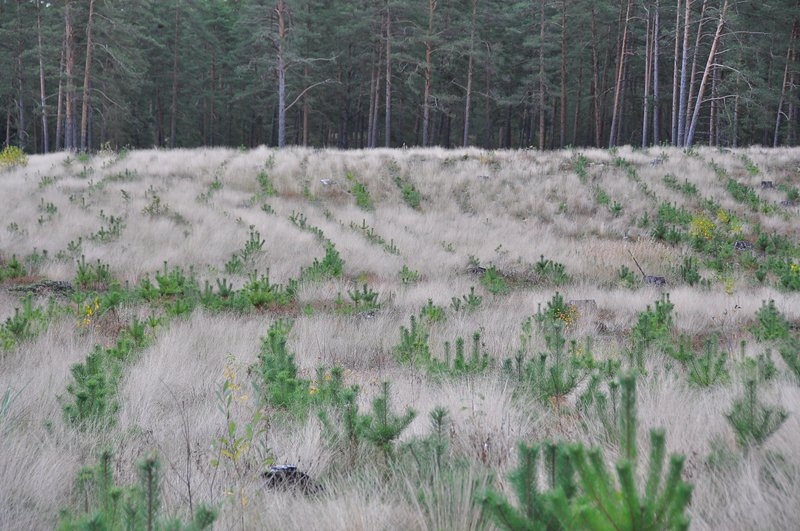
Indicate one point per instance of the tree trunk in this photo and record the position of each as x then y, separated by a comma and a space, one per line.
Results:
20, 70
615, 111
468, 97
563, 114
598, 124
60, 98
69, 111
647, 72
706, 72
173, 120
426, 102
387, 119
682, 90
280, 12
542, 98
674, 110
42, 91
577, 114
789, 57
693, 70
87, 72
656, 107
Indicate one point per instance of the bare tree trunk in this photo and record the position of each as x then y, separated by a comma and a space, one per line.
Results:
563, 121
675, 89
426, 102
60, 98
577, 114
468, 97
615, 111
173, 120
388, 110
42, 91
542, 99
713, 125
280, 13
693, 70
706, 72
656, 95
647, 72
69, 111
682, 88
598, 126
87, 72
20, 100
789, 57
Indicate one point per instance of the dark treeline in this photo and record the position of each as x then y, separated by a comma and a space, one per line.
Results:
81, 74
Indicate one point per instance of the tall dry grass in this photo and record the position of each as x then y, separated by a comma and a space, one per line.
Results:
500, 208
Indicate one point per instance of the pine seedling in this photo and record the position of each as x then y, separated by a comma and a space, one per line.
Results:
536, 509
790, 352
413, 347
345, 429
382, 427
601, 505
752, 420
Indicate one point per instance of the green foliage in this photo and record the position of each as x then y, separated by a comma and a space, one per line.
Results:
790, 352
408, 276
260, 293
112, 507
363, 300
582, 493
750, 166
12, 269
707, 368
95, 276
331, 266
627, 278
26, 323
411, 195
431, 313
266, 189
382, 427
413, 346
278, 380
653, 329
752, 420
360, 192
688, 271
771, 325
553, 374
12, 156
494, 282
743, 194
94, 386
468, 302
459, 365
580, 164
536, 511
549, 271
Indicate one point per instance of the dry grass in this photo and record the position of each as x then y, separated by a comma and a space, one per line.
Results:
502, 208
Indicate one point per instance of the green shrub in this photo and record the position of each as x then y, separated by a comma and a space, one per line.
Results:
107, 505
12, 156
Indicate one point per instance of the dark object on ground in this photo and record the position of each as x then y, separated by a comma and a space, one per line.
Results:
649, 279
656, 162
46, 287
790, 204
742, 245
767, 185
288, 478
655, 281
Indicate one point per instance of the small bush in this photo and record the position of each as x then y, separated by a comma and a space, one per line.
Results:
12, 156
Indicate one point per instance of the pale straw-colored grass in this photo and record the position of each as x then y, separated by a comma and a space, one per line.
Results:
503, 209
